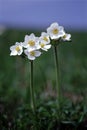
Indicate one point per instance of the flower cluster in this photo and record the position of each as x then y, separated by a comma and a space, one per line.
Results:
33, 46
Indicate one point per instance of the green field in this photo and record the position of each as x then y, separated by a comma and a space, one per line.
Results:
14, 71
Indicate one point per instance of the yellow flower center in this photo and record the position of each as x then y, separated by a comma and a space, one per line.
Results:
42, 45
45, 39
55, 31
17, 48
32, 53
31, 43
64, 36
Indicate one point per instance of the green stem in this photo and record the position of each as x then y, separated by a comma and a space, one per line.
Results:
31, 87
32, 93
57, 79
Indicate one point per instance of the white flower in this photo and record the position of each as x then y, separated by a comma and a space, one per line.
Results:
66, 37
44, 45
44, 36
32, 54
55, 31
31, 42
16, 49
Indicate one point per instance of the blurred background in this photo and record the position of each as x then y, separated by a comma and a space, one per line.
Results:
40, 13
21, 17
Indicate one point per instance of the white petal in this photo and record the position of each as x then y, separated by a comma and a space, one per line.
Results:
61, 28
37, 53
43, 33
48, 46
28, 55
12, 47
32, 34
61, 34
49, 30
25, 44
31, 57
68, 36
43, 41
26, 37
18, 43
54, 36
13, 53
55, 24
38, 47
32, 48
20, 52
26, 52
44, 49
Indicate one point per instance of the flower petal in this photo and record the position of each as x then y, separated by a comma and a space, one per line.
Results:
48, 46
13, 53
12, 47
20, 52
55, 24
37, 53
31, 57
26, 37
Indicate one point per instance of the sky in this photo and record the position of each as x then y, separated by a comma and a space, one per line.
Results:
41, 13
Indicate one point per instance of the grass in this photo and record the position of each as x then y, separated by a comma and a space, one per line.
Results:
14, 81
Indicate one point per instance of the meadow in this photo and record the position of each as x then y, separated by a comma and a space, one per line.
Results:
14, 83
